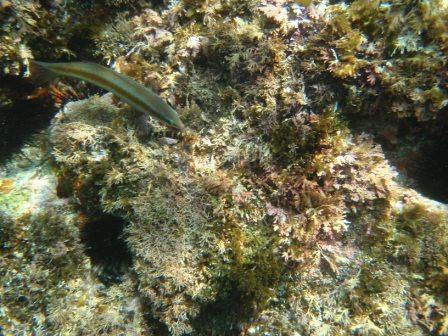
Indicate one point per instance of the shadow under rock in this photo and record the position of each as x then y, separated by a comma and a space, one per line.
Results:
23, 112
419, 150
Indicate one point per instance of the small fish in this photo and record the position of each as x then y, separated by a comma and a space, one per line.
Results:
128, 90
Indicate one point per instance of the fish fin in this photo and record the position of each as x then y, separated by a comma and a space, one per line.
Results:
39, 73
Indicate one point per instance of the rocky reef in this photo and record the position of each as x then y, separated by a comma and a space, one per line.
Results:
294, 202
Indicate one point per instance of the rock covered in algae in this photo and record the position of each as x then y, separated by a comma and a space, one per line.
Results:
43, 30
206, 238
268, 215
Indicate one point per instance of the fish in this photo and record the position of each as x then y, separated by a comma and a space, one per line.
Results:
139, 97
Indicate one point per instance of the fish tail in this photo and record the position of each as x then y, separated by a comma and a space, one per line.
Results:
39, 72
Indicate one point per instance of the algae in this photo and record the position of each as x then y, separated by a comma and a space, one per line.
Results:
269, 214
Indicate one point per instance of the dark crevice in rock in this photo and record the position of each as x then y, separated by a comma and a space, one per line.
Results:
104, 244
419, 150
225, 315
432, 174
23, 112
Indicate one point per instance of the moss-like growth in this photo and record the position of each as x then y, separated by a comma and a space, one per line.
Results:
415, 239
268, 214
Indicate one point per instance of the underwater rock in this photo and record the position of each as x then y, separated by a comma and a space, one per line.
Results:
47, 287
268, 214
200, 236
50, 30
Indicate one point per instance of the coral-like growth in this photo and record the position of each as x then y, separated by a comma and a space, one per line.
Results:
267, 214
391, 55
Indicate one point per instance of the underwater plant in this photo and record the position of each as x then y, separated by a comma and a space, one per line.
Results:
270, 213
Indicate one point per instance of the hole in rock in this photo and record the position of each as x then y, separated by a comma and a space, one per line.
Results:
104, 244
432, 174
224, 316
